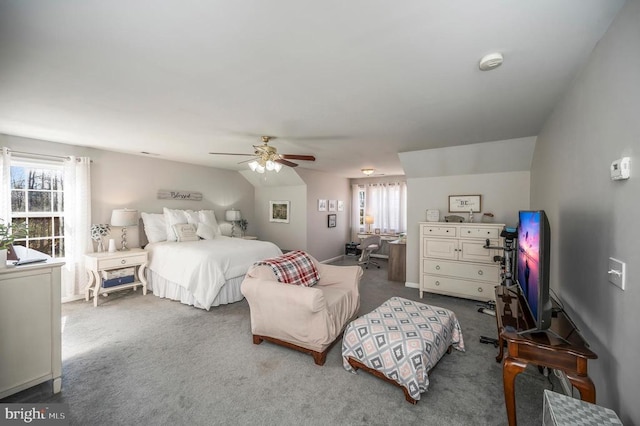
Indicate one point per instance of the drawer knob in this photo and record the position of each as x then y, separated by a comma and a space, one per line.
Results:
437, 282
479, 289
123, 261
480, 272
437, 267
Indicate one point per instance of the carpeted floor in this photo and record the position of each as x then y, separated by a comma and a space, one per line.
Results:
144, 360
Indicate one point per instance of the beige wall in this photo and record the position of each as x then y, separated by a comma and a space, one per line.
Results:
287, 236
323, 242
503, 194
122, 180
593, 218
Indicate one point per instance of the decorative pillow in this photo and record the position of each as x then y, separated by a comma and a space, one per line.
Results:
154, 226
225, 229
295, 267
174, 217
185, 232
206, 232
209, 217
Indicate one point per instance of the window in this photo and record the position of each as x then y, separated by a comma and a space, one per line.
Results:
386, 203
37, 199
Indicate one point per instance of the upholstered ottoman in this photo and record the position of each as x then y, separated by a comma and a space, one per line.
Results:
400, 342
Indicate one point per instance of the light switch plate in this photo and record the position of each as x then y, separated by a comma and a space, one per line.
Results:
616, 272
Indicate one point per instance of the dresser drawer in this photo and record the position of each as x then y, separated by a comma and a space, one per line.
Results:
439, 231
472, 271
122, 261
457, 287
479, 232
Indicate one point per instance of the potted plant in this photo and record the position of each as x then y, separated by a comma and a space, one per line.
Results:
243, 226
8, 234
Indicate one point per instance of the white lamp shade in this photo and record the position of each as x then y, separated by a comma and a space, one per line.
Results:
124, 217
368, 220
233, 215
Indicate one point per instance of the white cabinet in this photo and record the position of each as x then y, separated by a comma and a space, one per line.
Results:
453, 260
30, 337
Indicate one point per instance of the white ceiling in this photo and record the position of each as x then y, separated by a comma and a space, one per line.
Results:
351, 82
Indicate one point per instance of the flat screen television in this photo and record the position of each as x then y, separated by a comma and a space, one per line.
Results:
533, 265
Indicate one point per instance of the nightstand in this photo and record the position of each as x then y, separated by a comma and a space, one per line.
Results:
105, 261
249, 237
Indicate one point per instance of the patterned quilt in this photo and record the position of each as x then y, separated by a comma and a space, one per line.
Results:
403, 340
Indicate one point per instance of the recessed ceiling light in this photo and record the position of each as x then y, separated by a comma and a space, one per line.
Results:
490, 61
368, 172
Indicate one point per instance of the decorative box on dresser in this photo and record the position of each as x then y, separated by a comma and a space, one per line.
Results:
453, 260
30, 336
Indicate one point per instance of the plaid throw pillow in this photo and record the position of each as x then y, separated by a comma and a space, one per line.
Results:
295, 267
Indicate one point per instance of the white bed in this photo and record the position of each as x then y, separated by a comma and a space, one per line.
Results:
204, 273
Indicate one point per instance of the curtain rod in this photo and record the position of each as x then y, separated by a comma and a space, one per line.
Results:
35, 154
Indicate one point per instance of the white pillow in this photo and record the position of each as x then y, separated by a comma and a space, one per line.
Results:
208, 217
174, 217
154, 226
225, 229
206, 232
185, 232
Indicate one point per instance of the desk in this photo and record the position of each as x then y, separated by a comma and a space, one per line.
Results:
569, 352
397, 261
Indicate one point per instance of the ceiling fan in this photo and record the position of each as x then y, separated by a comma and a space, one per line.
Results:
266, 157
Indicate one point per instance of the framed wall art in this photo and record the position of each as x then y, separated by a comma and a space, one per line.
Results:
322, 205
465, 203
331, 221
333, 205
340, 205
279, 211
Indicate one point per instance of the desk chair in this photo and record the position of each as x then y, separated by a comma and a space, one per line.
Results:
368, 246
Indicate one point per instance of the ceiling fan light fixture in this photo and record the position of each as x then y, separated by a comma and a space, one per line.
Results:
277, 167
368, 172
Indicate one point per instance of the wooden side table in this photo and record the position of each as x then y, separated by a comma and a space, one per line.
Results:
561, 348
98, 262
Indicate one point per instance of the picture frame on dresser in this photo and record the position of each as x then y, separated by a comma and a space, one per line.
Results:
465, 203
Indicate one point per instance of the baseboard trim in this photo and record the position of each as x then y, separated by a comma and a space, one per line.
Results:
72, 298
333, 259
411, 285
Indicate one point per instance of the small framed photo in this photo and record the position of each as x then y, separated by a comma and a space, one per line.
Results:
322, 205
279, 211
333, 205
331, 221
465, 203
376, 231
340, 205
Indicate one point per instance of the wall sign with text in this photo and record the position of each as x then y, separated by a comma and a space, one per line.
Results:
465, 203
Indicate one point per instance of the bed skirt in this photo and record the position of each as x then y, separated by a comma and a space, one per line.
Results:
229, 293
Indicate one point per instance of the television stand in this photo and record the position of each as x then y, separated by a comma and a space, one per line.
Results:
561, 348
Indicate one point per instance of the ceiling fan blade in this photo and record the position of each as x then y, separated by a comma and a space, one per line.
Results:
229, 153
286, 163
298, 157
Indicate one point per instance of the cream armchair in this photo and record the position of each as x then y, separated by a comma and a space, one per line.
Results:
308, 319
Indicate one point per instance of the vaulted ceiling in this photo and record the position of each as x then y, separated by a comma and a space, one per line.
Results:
352, 82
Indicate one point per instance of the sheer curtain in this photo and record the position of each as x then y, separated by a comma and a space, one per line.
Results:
387, 203
5, 186
77, 223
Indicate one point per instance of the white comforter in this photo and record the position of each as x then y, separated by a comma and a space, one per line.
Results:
202, 267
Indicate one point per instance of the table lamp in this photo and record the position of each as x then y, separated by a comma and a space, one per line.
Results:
233, 216
124, 218
369, 221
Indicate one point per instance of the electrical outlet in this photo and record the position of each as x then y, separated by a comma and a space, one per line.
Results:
616, 272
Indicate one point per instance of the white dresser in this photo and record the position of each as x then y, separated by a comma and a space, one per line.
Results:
453, 260
30, 336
